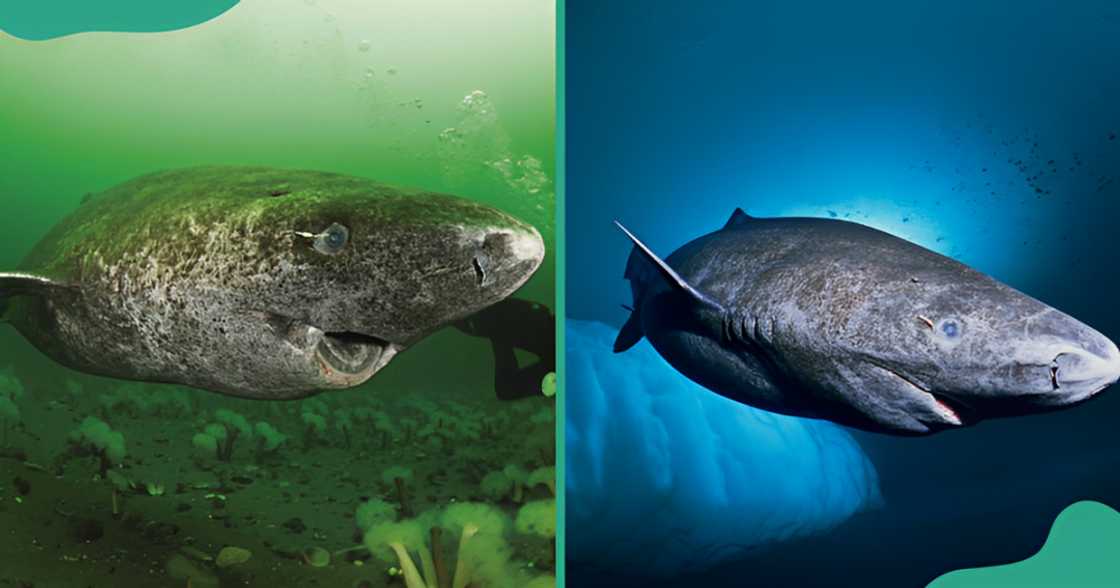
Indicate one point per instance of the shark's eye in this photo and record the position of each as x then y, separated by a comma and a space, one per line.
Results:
950, 328
332, 240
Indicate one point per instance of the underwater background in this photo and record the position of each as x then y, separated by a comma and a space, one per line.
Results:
456, 98
986, 131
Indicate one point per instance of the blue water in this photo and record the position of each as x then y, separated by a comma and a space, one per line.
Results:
680, 474
983, 130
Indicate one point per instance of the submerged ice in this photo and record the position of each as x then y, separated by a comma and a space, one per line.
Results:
665, 477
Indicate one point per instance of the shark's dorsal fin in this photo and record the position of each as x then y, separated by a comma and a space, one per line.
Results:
25, 284
738, 219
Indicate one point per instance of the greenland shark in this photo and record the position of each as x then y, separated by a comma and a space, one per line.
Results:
260, 282
834, 320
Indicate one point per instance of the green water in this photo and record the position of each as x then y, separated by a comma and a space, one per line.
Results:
451, 97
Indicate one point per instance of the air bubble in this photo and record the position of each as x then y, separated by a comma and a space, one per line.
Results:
451, 135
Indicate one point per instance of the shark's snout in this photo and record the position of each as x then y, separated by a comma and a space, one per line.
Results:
1062, 365
526, 246
1078, 374
515, 253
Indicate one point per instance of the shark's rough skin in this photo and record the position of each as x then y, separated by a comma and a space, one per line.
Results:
835, 320
260, 282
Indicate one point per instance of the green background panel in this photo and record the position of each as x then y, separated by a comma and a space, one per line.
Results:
1081, 552
36, 20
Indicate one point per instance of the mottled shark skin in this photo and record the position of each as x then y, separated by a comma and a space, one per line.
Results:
834, 320
260, 282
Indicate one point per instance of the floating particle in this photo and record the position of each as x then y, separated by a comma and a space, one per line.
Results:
451, 135
363, 46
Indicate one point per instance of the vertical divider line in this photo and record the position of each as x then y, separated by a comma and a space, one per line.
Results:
561, 293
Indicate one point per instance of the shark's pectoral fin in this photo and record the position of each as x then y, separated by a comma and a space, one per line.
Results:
25, 284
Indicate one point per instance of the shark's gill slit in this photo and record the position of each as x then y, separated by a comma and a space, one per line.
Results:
1054, 377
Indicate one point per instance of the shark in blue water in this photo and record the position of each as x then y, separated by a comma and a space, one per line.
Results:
831, 319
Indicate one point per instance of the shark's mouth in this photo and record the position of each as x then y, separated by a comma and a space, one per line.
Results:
954, 411
348, 359
350, 352
948, 411
343, 358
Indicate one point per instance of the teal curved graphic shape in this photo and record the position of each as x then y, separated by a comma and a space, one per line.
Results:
1083, 551
38, 20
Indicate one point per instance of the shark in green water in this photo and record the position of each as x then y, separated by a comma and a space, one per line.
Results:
260, 282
